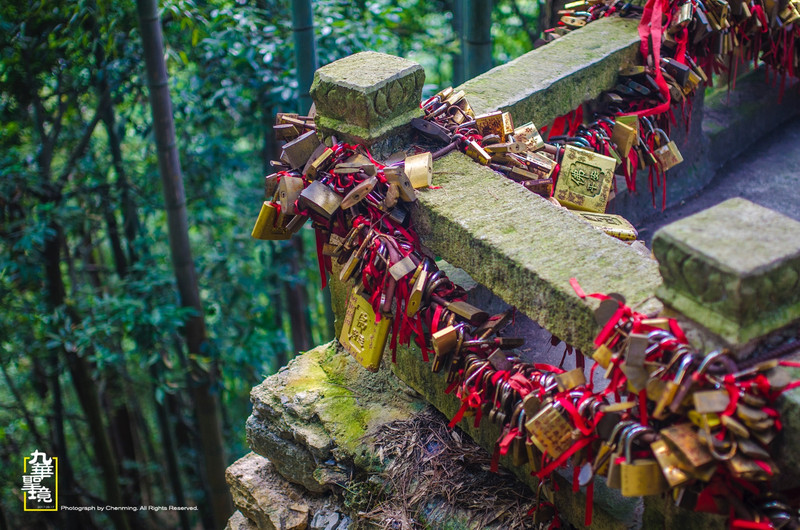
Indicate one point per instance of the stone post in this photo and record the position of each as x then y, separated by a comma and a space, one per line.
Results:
368, 98
734, 270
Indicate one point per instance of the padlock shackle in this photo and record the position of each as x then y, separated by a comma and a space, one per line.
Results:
631, 435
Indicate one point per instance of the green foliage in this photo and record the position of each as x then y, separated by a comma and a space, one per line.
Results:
63, 66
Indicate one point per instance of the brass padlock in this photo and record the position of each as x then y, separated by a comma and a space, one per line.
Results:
364, 338
642, 476
289, 190
684, 439
402, 268
319, 161
585, 180
624, 136
297, 152
420, 280
613, 225
614, 474
529, 135
320, 199
668, 155
519, 454
265, 227
419, 170
710, 401
354, 260
396, 175
359, 192
602, 356
505, 147
490, 123
550, 431
539, 165
671, 466
571, 379
270, 186
478, 153
444, 341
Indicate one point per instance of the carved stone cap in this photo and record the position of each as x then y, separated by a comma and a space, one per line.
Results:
733, 268
368, 96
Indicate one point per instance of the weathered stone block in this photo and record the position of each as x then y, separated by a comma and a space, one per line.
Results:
525, 249
240, 522
734, 268
263, 497
366, 97
314, 418
554, 79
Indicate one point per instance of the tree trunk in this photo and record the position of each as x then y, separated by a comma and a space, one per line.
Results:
205, 402
85, 386
297, 298
478, 48
305, 52
458, 29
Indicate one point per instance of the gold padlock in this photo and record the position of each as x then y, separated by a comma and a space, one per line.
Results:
478, 153
710, 401
614, 474
671, 388
641, 476
419, 281
585, 180
419, 169
529, 135
490, 123
289, 190
683, 438
602, 356
297, 152
444, 341
265, 227
396, 175
320, 198
668, 155
571, 379
364, 338
359, 192
319, 161
624, 137
613, 225
671, 466
550, 431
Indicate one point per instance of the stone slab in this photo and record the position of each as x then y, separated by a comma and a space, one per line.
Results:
314, 418
734, 268
367, 97
555, 79
525, 249
265, 498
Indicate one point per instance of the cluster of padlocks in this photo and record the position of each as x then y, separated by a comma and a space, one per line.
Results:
670, 418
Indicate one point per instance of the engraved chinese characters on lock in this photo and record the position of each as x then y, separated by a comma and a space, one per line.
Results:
361, 336
585, 180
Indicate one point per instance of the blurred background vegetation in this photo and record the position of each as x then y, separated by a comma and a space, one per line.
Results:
93, 352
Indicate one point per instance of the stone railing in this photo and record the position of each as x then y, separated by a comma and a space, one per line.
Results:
511, 247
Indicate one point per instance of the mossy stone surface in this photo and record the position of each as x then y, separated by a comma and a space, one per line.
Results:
315, 417
525, 249
367, 97
734, 268
555, 79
